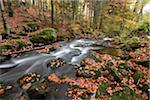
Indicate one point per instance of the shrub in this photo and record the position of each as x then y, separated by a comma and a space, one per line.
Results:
132, 42
142, 29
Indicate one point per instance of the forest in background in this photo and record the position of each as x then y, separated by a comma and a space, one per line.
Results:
119, 72
124, 20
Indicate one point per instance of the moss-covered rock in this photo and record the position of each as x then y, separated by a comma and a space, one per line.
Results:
60, 38
4, 48
46, 36
144, 63
13, 44
38, 39
21, 44
52, 49
49, 32
23, 33
31, 27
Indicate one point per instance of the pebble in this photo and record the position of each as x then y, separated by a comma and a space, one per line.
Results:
38, 76
8, 87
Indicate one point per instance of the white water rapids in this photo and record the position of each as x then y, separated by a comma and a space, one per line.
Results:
72, 52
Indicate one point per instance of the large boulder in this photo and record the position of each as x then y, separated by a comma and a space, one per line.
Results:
45, 37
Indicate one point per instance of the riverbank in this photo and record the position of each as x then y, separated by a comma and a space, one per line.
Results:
98, 74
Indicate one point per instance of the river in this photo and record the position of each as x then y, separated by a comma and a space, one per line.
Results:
73, 52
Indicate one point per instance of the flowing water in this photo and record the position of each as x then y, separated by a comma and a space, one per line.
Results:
72, 52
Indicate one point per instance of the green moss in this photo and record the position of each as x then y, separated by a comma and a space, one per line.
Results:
145, 88
126, 94
133, 40
130, 43
45, 37
136, 77
102, 89
31, 27
114, 72
60, 38
21, 44
52, 49
48, 31
124, 65
4, 48
145, 26
39, 39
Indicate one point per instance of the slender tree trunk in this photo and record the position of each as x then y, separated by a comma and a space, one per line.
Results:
135, 10
75, 4
73, 10
91, 16
123, 16
141, 12
80, 13
5, 24
56, 11
101, 16
46, 8
62, 12
96, 13
33, 2
17, 3
52, 13
10, 10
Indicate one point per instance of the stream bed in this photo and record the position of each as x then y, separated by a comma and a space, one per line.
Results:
72, 52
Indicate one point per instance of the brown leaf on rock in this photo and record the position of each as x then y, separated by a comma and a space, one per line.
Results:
2, 91
54, 77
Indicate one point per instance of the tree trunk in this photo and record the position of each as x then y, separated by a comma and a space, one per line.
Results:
75, 4
33, 2
10, 10
52, 13
101, 16
5, 24
135, 10
140, 16
96, 13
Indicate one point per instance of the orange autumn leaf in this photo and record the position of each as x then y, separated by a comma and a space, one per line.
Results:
54, 77
2, 91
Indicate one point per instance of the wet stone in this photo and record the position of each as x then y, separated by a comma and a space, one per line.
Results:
27, 86
56, 63
34, 85
144, 63
66, 71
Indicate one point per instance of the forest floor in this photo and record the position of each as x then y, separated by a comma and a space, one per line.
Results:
109, 74
118, 74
